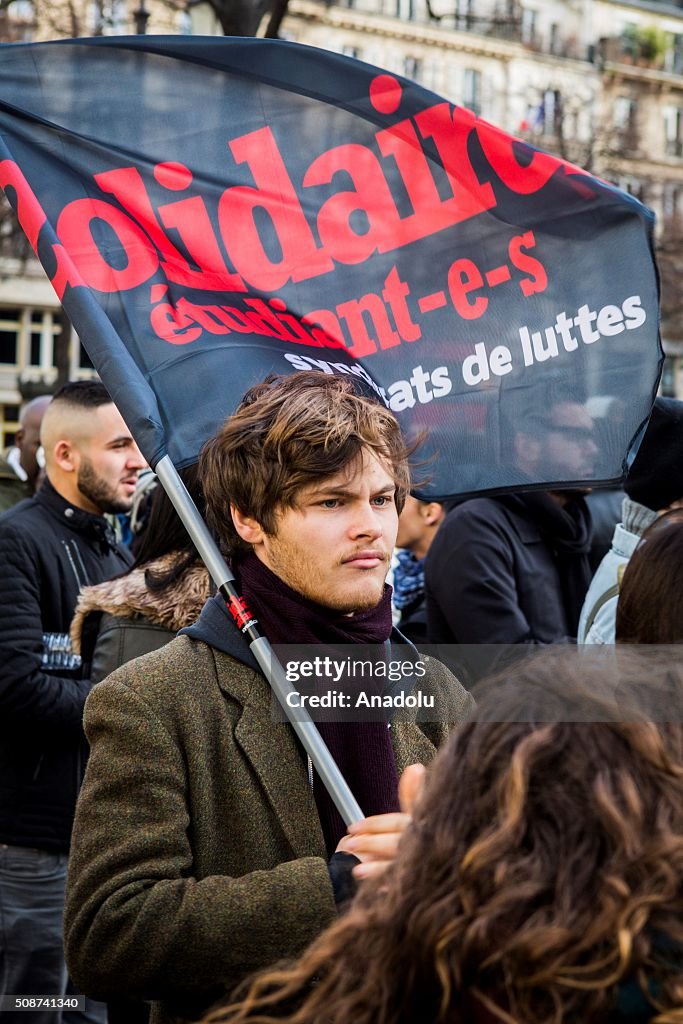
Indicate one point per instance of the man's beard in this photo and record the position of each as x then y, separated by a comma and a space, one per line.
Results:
98, 491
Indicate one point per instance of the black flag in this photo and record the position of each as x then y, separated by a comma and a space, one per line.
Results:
212, 210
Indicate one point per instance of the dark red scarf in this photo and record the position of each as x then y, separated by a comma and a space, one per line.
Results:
362, 750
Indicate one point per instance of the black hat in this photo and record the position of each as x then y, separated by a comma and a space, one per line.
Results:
656, 477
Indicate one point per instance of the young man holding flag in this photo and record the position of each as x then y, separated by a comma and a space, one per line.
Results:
204, 846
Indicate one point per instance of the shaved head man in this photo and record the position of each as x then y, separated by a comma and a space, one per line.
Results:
19, 468
27, 438
50, 546
90, 455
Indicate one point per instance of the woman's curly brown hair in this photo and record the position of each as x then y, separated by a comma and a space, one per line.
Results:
541, 878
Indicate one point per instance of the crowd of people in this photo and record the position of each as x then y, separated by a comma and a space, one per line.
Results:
166, 845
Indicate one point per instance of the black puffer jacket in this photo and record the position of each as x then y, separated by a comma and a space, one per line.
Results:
48, 550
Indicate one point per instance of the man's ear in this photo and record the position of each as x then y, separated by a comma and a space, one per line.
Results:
18, 437
249, 529
433, 513
66, 456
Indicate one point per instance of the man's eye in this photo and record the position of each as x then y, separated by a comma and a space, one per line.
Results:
382, 499
330, 503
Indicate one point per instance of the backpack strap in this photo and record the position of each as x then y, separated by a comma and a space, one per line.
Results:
599, 604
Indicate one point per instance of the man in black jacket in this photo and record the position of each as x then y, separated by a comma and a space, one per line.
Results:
50, 546
514, 569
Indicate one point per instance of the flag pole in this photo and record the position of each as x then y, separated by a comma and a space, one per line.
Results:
300, 720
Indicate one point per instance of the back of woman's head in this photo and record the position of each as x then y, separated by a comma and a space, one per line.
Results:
650, 605
164, 533
543, 865
566, 856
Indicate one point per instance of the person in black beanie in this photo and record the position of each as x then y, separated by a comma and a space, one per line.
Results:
654, 484
513, 569
205, 846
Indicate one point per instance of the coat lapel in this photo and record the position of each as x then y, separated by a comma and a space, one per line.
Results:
275, 756
411, 746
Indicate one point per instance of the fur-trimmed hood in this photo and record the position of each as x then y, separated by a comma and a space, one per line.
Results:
129, 597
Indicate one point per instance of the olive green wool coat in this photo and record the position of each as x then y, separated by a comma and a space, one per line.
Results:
197, 854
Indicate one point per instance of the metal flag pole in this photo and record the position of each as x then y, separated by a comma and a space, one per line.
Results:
301, 722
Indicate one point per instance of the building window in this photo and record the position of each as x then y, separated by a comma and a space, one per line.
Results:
41, 335
672, 200
432, 76
625, 116
673, 58
673, 131
472, 90
552, 112
9, 424
528, 27
10, 329
8, 346
27, 338
412, 68
554, 40
464, 14
546, 117
624, 113
34, 354
17, 21
351, 51
405, 9
23, 9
